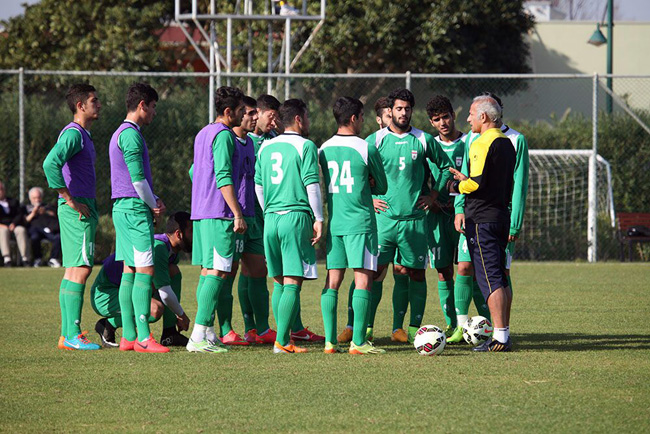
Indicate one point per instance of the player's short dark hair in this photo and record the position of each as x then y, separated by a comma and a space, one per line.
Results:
344, 108
494, 97
380, 105
178, 220
227, 97
139, 92
78, 93
268, 102
439, 105
249, 102
290, 109
401, 94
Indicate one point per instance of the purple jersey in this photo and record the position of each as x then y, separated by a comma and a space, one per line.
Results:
207, 200
121, 184
79, 171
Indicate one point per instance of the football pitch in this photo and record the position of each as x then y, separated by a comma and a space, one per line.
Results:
581, 362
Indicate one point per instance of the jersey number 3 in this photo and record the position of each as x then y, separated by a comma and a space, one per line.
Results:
276, 167
346, 178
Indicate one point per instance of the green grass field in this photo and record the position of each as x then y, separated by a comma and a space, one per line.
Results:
581, 363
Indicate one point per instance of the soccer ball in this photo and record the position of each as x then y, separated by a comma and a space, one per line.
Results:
477, 330
429, 340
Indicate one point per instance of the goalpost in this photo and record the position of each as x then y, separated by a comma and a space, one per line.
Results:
557, 209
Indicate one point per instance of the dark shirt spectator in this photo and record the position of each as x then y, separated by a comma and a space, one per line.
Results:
12, 222
43, 225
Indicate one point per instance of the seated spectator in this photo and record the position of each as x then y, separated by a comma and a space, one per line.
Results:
43, 225
12, 222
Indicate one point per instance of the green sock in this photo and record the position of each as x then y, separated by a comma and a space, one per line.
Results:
350, 310
141, 297
224, 306
245, 302
361, 301
463, 295
297, 323
278, 289
115, 322
328, 300
198, 287
377, 292
207, 300
169, 317
74, 300
287, 308
64, 316
126, 306
479, 301
258, 294
446, 293
400, 300
418, 300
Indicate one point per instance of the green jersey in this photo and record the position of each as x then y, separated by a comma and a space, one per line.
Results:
404, 157
285, 166
455, 151
347, 162
132, 146
257, 140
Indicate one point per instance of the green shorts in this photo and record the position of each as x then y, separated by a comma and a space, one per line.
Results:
215, 245
133, 238
510, 252
352, 251
403, 241
254, 238
287, 243
443, 239
463, 249
77, 234
104, 297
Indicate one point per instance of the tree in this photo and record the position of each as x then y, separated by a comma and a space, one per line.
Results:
86, 35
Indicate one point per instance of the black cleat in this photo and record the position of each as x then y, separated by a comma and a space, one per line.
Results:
172, 338
492, 345
107, 333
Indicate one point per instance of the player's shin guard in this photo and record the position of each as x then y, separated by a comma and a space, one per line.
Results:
258, 294
126, 307
224, 306
361, 301
350, 310
207, 300
278, 290
418, 299
64, 316
479, 301
141, 297
74, 300
375, 298
328, 301
287, 309
446, 294
400, 300
297, 323
463, 296
245, 303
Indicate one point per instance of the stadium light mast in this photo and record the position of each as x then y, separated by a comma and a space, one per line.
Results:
274, 10
597, 39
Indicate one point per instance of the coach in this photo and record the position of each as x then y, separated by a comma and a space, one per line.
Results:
487, 220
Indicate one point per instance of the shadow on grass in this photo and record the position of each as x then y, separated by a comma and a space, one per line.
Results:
579, 342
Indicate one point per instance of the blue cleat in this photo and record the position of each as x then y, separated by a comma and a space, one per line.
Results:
80, 343
492, 345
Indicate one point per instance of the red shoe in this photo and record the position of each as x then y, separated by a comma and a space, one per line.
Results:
126, 345
252, 338
306, 335
149, 346
268, 337
233, 338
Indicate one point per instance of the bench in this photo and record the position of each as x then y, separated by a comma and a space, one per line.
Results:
625, 221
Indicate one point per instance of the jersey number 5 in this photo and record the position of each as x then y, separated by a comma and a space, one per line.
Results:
346, 176
276, 167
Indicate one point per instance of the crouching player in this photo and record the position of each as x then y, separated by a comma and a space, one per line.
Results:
104, 295
348, 162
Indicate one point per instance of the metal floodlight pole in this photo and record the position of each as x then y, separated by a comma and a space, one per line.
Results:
21, 133
592, 231
287, 57
229, 49
269, 60
610, 51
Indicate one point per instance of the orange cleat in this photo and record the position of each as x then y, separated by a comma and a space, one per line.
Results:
399, 335
126, 345
289, 349
233, 338
61, 341
149, 346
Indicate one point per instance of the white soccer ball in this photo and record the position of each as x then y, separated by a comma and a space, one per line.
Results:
477, 330
429, 340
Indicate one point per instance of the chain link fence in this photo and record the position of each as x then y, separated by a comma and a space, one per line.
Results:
554, 112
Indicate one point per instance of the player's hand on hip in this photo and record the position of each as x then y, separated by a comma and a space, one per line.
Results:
183, 322
457, 175
425, 202
240, 225
459, 223
318, 232
380, 205
81, 208
512, 238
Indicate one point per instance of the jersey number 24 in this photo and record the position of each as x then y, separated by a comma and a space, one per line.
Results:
345, 179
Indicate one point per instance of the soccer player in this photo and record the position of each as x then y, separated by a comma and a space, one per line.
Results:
401, 212
134, 209
222, 209
167, 281
488, 191
444, 238
383, 112
286, 178
267, 112
348, 162
70, 169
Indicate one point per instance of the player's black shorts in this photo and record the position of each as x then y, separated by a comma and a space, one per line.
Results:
487, 247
